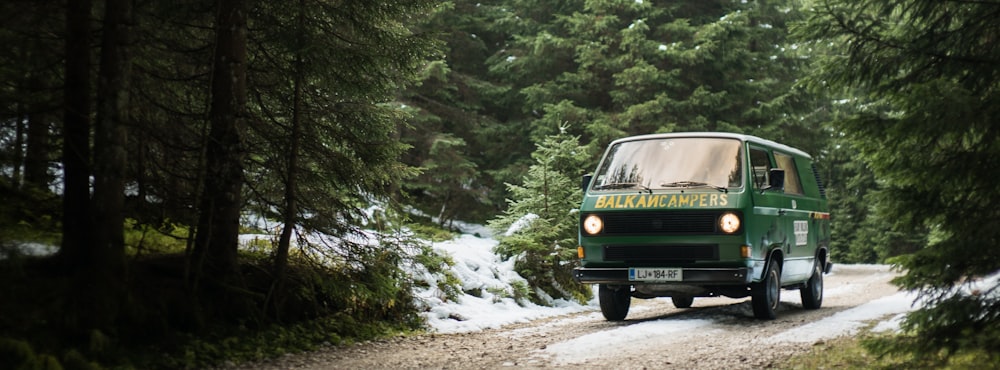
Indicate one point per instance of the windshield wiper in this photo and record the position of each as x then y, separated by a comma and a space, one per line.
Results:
623, 185
690, 184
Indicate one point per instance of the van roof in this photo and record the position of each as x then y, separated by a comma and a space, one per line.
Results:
726, 135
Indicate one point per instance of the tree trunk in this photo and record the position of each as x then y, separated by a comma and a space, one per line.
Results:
216, 240
290, 211
76, 134
106, 268
444, 207
110, 135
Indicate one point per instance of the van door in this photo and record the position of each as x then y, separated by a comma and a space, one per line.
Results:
767, 229
777, 213
795, 214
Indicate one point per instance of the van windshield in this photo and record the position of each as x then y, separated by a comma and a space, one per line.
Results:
672, 163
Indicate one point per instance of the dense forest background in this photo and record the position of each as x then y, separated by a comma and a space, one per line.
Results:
137, 138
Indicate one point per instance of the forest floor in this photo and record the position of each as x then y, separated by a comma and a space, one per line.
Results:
715, 333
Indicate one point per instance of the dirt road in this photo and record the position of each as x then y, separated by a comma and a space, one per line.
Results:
716, 333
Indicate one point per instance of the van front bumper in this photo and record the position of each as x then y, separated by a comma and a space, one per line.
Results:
697, 276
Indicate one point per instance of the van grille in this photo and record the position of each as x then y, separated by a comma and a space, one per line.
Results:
661, 223
664, 253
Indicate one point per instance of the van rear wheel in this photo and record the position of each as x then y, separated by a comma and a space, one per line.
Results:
812, 293
766, 294
682, 301
615, 301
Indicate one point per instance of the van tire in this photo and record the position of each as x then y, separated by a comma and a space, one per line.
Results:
682, 301
615, 301
766, 294
812, 292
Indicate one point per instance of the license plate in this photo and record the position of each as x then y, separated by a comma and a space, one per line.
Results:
655, 274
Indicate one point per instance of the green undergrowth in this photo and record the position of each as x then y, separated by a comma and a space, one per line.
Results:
28, 216
237, 345
424, 228
439, 265
168, 237
867, 351
163, 324
240, 345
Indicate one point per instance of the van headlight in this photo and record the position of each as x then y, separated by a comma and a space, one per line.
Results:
729, 222
593, 224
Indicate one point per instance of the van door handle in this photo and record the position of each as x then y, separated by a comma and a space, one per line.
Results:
781, 212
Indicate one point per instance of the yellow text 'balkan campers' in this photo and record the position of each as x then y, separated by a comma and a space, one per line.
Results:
661, 201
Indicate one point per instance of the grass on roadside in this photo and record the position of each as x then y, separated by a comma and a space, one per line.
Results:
840, 353
853, 353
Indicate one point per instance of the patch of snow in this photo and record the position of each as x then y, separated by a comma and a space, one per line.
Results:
31, 249
492, 281
521, 224
989, 285
849, 321
473, 229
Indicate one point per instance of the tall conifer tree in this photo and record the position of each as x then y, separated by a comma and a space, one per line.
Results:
927, 127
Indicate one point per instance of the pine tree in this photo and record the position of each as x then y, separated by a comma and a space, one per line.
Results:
539, 227
617, 68
455, 98
447, 175
927, 129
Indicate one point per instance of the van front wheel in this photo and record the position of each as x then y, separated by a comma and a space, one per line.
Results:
615, 301
766, 294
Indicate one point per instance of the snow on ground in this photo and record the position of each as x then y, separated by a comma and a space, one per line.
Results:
850, 321
491, 279
32, 249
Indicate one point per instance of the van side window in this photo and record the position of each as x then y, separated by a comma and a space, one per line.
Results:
792, 183
760, 165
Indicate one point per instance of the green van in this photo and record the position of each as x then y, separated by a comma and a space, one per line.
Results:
688, 215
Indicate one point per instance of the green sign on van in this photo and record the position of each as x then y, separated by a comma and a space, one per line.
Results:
690, 215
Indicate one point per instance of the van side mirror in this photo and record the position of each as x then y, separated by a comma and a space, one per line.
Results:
776, 180
585, 182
